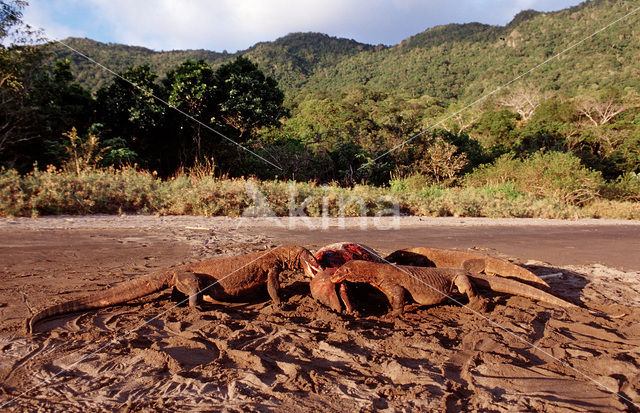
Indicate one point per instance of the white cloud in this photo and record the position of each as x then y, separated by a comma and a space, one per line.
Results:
238, 24
42, 18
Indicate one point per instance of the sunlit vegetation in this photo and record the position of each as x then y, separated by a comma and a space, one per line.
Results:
178, 132
192, 192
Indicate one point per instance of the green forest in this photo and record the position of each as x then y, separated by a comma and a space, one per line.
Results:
427, 120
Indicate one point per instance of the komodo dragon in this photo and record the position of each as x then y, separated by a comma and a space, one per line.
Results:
427, 285
438, 257
336, 254
220, 278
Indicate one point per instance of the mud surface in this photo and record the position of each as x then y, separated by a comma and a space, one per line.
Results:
154, 355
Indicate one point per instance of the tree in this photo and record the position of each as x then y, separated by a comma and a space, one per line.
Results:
495, 131
19, 67
191, 88
45, 102
600, 112
460, 118
60, 104
18, 36
131, 114
84, 154
523, 100
248, 100
11, 18
441, 161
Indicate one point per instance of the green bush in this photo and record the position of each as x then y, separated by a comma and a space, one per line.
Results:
413, 182
556, 175
507, 190
54, 191
625, 188
12, 196
612, 209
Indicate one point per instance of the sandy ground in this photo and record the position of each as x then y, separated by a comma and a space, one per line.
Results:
150, 355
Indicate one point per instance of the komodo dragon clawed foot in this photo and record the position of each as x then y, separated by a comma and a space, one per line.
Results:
479, 304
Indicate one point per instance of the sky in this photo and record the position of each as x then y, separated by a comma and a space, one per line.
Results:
234, 25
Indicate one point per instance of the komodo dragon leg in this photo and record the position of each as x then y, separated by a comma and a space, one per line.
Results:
395, 295
273, 286
189, 284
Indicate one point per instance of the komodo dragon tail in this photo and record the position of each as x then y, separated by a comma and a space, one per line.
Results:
505, 285
118, 294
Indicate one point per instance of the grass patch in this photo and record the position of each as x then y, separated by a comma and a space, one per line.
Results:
127, 190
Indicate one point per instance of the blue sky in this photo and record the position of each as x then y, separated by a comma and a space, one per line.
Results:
238, 24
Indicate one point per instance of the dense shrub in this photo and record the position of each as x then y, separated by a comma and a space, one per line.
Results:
54, 191
625, 188
556, 175
12, 195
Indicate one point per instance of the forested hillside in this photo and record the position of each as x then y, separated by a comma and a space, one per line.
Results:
464, 61
291, 59
446, 62
311, 107
119, 57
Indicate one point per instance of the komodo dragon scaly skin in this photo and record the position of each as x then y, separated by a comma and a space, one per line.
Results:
427, 285
438, 257
220, 278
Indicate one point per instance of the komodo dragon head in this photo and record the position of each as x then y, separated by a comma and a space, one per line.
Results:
300, 257
324, 291
330, 257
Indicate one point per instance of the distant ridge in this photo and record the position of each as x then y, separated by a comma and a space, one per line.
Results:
445, 62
